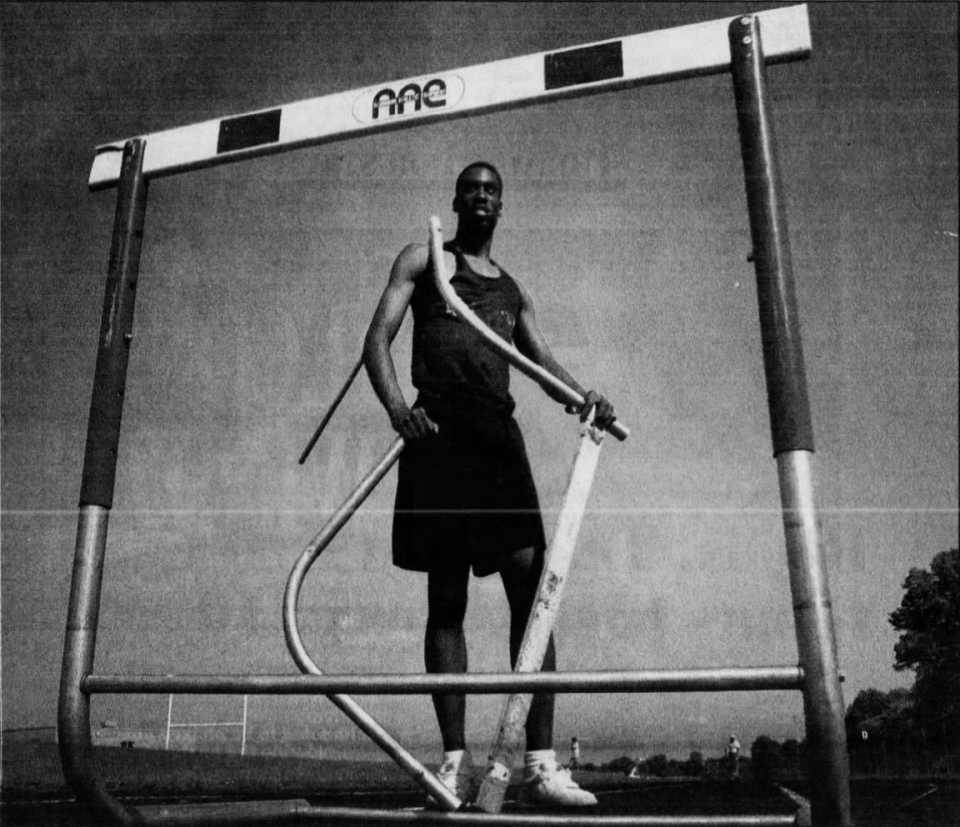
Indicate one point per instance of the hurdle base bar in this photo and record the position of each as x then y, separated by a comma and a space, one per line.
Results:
286, 812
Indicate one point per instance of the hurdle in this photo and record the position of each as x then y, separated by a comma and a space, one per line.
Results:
731, 45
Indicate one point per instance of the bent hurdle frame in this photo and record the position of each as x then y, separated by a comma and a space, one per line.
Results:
730, 45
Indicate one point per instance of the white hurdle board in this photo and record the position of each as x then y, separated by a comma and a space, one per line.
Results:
652, 57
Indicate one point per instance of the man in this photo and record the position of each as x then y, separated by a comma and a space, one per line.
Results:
465, 494
732, 754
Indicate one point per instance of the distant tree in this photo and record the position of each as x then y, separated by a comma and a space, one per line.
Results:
657, 765
765, 758
790, 752
622, 764
929, 622
879, 715
695, 764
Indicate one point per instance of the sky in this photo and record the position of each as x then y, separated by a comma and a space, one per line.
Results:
624, 216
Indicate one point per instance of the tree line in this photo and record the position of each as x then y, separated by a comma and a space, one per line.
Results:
905, 731
916, 728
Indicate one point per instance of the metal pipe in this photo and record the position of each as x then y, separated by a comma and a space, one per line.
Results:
286, 812
823, 704
347, 705
116, 333
735, 679
322, 539
792, 431
779, 322
330, 411
316, 546
96, 494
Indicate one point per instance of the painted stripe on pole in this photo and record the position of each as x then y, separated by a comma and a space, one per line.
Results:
651, 57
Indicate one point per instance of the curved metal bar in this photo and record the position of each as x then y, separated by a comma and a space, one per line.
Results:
316, 547
345, 703
542, 377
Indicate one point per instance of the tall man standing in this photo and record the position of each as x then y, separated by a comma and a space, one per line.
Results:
465, 493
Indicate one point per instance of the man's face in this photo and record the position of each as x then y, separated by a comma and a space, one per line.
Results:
478, 197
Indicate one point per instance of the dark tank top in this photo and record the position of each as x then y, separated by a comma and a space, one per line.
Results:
450, 359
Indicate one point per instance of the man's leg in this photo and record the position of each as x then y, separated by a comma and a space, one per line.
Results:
521, 576
445, 648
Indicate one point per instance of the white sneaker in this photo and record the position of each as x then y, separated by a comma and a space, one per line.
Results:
457, 776
551, 785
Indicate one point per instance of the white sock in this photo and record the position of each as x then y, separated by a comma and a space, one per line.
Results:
534, 758
455, 756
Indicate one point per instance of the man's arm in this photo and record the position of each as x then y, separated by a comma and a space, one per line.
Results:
411, 424
531, 343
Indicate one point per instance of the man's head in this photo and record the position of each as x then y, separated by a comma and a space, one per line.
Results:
481, 165
479, 193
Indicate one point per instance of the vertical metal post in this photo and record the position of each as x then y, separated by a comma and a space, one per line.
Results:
96, 494
792, 433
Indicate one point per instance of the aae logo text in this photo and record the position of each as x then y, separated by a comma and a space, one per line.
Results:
389, 102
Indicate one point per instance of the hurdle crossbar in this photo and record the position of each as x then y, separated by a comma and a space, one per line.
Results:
728, 679
606, 66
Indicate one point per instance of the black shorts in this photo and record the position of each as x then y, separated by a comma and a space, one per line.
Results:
466, 494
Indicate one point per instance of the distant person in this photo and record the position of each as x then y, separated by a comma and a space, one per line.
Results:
574, 753
465, 492
731, 755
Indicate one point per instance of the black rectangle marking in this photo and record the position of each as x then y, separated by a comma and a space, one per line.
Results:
248, 131
586, 65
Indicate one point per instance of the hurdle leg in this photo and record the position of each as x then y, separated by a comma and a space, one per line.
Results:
510, 731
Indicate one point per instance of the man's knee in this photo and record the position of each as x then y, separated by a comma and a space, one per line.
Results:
447, 599
521, 576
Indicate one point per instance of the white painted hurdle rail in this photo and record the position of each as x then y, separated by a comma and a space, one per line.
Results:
651, 57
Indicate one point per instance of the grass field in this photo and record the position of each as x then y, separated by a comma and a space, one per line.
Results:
34, 791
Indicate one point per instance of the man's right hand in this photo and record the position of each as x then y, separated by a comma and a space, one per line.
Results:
413, 424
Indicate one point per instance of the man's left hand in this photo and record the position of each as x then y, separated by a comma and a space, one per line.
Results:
603, 415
